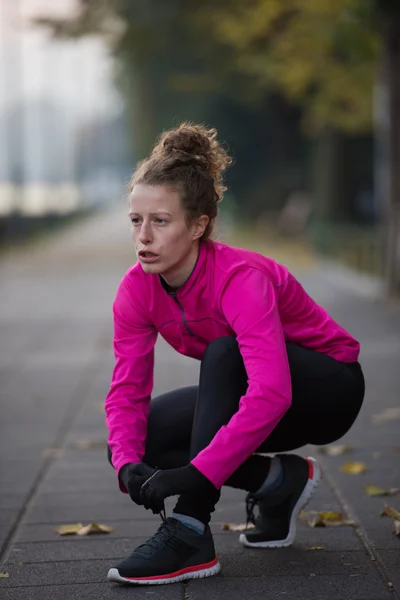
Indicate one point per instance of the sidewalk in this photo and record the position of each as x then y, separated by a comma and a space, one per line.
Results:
55, 366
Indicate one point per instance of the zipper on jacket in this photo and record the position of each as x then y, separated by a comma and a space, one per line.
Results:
173, 294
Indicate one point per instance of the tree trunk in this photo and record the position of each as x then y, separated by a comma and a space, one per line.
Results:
392, 213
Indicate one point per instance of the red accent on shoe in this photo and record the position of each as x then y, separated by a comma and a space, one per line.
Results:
310, 469
177, 573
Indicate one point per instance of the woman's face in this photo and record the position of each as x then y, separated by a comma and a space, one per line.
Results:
164, 242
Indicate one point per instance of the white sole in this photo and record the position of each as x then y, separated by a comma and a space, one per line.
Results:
303, 500
113, 575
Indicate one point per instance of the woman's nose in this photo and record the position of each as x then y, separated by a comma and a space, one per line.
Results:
145, 234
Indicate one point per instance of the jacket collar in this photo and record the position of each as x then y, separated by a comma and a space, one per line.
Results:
194, 276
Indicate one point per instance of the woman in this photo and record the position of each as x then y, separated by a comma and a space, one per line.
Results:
277, 372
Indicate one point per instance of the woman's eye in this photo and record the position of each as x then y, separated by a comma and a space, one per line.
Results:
135, 221
160, 221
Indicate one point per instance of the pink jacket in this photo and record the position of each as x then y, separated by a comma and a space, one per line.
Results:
231, 292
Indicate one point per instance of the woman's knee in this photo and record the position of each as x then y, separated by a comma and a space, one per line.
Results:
222, 351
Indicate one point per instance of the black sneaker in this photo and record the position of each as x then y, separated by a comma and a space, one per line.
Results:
275, 525
174, 553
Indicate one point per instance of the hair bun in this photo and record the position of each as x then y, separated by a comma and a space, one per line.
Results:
196, 145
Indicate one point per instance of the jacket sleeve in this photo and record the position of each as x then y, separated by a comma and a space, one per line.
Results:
128, 400
249, 304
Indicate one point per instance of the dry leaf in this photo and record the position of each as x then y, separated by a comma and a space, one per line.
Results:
324, 519
80, 529
396, 529
353, 468
388, 511
69, 529
389, 414
94, 528
55, 453
91, 444
316, 548
335, 450
4, 575
234, 527
373, 490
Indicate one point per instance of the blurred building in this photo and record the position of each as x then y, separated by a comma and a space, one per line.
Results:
64, 143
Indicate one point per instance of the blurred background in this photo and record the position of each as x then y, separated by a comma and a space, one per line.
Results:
305, 94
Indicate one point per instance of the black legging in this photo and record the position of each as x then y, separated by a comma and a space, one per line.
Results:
326, 398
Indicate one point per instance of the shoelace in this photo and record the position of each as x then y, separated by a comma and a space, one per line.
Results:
160, 536
250, 505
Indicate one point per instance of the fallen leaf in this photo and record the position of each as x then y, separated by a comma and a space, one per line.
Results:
335, 450
4, 575
98, 405
388, 511
389, 414
353, 468
234, 527
373, 490
80, 529
316, 548
91, 444
94, 528
396, 529
324, 519
69, 529
53, 453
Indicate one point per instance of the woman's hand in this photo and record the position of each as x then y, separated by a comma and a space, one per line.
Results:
133, 476
171, 482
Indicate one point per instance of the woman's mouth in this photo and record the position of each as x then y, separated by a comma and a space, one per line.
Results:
147, 257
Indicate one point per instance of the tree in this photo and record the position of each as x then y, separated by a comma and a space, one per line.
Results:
323, 55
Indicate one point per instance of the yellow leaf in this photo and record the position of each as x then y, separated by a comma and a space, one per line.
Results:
69, 529
388, 511
335, 450
324, 519
389, 414
353, 468
373, 490
91, 444
94, 528
396, 529
55, 453
4, 575
234, 527
316, 548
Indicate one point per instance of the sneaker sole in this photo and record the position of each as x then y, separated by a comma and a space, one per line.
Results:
303, 500
206, 570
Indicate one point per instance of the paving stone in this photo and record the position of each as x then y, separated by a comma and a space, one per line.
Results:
93, 498
287, 562
72, 572
253, 564
318, 587
79, 549
95, 591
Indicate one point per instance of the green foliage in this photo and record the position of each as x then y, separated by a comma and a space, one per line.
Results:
322, 55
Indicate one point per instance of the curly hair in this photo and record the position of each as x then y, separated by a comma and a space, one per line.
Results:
192, 160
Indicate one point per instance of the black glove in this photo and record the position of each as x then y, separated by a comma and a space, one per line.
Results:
133, 476
171, 482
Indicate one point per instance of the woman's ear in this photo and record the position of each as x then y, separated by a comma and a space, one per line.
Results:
200, 226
